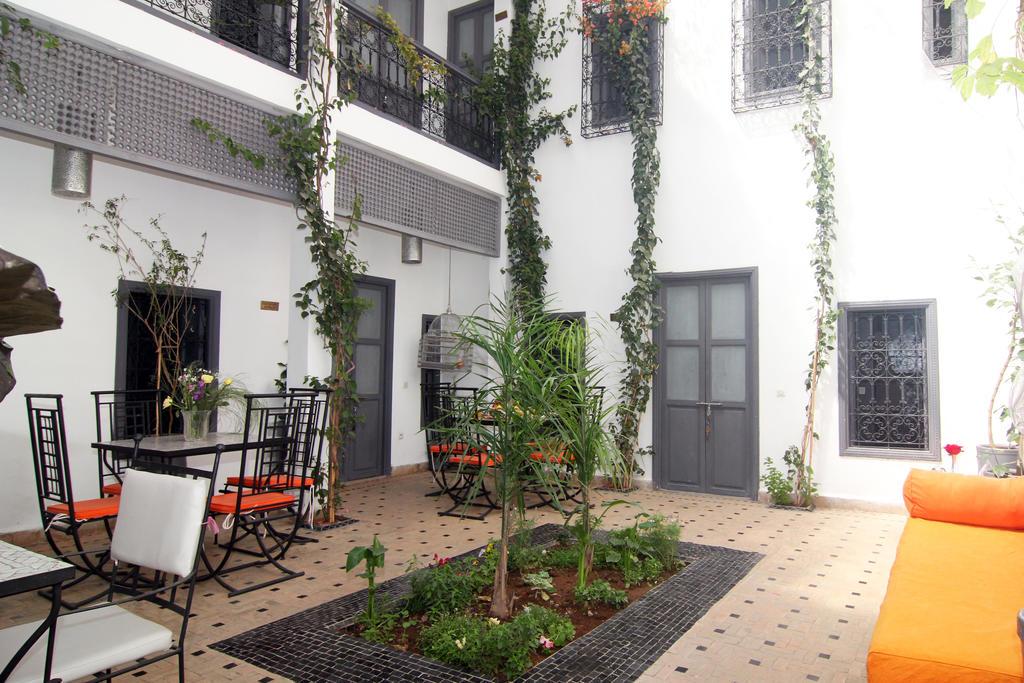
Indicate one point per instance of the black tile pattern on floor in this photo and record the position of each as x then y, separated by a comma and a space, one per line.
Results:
309, 645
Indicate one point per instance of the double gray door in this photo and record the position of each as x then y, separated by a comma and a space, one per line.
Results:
705, 388
370, 454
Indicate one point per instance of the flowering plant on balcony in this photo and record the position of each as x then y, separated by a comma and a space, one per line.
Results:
613, 21
200, 389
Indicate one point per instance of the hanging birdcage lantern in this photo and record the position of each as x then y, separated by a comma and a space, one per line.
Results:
441, 348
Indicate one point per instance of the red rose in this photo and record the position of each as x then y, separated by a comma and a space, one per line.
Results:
953, 449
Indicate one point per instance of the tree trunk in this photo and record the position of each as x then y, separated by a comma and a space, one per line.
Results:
999, 382
500, 606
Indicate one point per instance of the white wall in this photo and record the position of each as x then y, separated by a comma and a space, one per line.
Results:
252, 249
918, 172
246, 238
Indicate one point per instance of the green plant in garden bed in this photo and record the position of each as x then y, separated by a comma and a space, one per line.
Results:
451, 586
493, 647
541, 584
643, 551
601, 591
377, 629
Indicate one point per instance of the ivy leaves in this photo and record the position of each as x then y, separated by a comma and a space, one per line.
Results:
509, 93
821, 171
625, 46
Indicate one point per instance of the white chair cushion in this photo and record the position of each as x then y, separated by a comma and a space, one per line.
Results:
159, 520
85, 642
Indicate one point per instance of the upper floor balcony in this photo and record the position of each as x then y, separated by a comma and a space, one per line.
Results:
436, 99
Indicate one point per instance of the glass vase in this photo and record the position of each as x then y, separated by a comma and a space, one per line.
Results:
195, 424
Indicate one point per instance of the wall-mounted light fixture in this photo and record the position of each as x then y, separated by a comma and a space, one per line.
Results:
412, 249
72, 172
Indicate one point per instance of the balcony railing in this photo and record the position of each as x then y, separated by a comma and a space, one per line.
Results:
440, 106
274, 30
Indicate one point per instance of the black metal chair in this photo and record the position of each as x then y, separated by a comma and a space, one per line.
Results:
123, 414
299, 473
262, 497
59, 511
456, 464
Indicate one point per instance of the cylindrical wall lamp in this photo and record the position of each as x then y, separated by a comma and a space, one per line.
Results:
412, 249
72, 172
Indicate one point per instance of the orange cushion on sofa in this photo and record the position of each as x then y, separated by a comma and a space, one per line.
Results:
965, 499
950, 611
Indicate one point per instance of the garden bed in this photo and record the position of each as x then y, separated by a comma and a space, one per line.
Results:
584, 616
314, 645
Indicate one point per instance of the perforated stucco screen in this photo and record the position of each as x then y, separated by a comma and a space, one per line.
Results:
124, 110
402, 198
92, 99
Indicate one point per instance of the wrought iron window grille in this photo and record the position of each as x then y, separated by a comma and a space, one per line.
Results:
273, 30
888, 380
769, 52
944, 32
441, 106
603, 110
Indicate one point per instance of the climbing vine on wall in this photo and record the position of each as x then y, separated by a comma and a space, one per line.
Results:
509, 92
821, 165
308, 148
620, 32
10, 21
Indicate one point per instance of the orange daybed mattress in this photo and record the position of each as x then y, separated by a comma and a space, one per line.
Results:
950, 611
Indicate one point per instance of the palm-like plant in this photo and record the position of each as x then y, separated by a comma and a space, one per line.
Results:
508, 417
580, 416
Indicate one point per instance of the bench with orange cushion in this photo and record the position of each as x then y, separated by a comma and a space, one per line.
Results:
85, 510
112, 489
225, 503
274, 481
950, 610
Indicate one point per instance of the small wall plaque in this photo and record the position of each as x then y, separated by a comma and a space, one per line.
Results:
501, 16
269, 305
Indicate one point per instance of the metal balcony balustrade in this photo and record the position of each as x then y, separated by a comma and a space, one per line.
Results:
439, 104
273, 30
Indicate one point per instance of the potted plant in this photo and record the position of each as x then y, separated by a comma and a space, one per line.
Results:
1004, 293
198, 393
791, 489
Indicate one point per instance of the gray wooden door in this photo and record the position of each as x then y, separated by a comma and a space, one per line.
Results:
706, 385
370, 455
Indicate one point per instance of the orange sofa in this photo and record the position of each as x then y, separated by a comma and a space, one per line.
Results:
950, 610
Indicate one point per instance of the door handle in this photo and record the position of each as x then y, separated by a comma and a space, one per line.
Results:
707, 416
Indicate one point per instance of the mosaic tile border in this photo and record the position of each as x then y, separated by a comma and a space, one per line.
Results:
307, 646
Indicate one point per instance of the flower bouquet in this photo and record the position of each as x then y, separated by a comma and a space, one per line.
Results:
197, 394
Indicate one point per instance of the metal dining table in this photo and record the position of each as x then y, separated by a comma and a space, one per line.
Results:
175, 445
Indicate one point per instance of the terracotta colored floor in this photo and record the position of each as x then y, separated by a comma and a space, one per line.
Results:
805, 612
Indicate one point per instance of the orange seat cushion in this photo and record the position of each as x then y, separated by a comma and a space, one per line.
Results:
225, 503
557, 458
950, 610
965, 499
447, 448
473, 460
93, 508
112, 489
275, 480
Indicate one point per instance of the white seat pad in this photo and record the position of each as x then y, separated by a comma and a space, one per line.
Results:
86, 642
